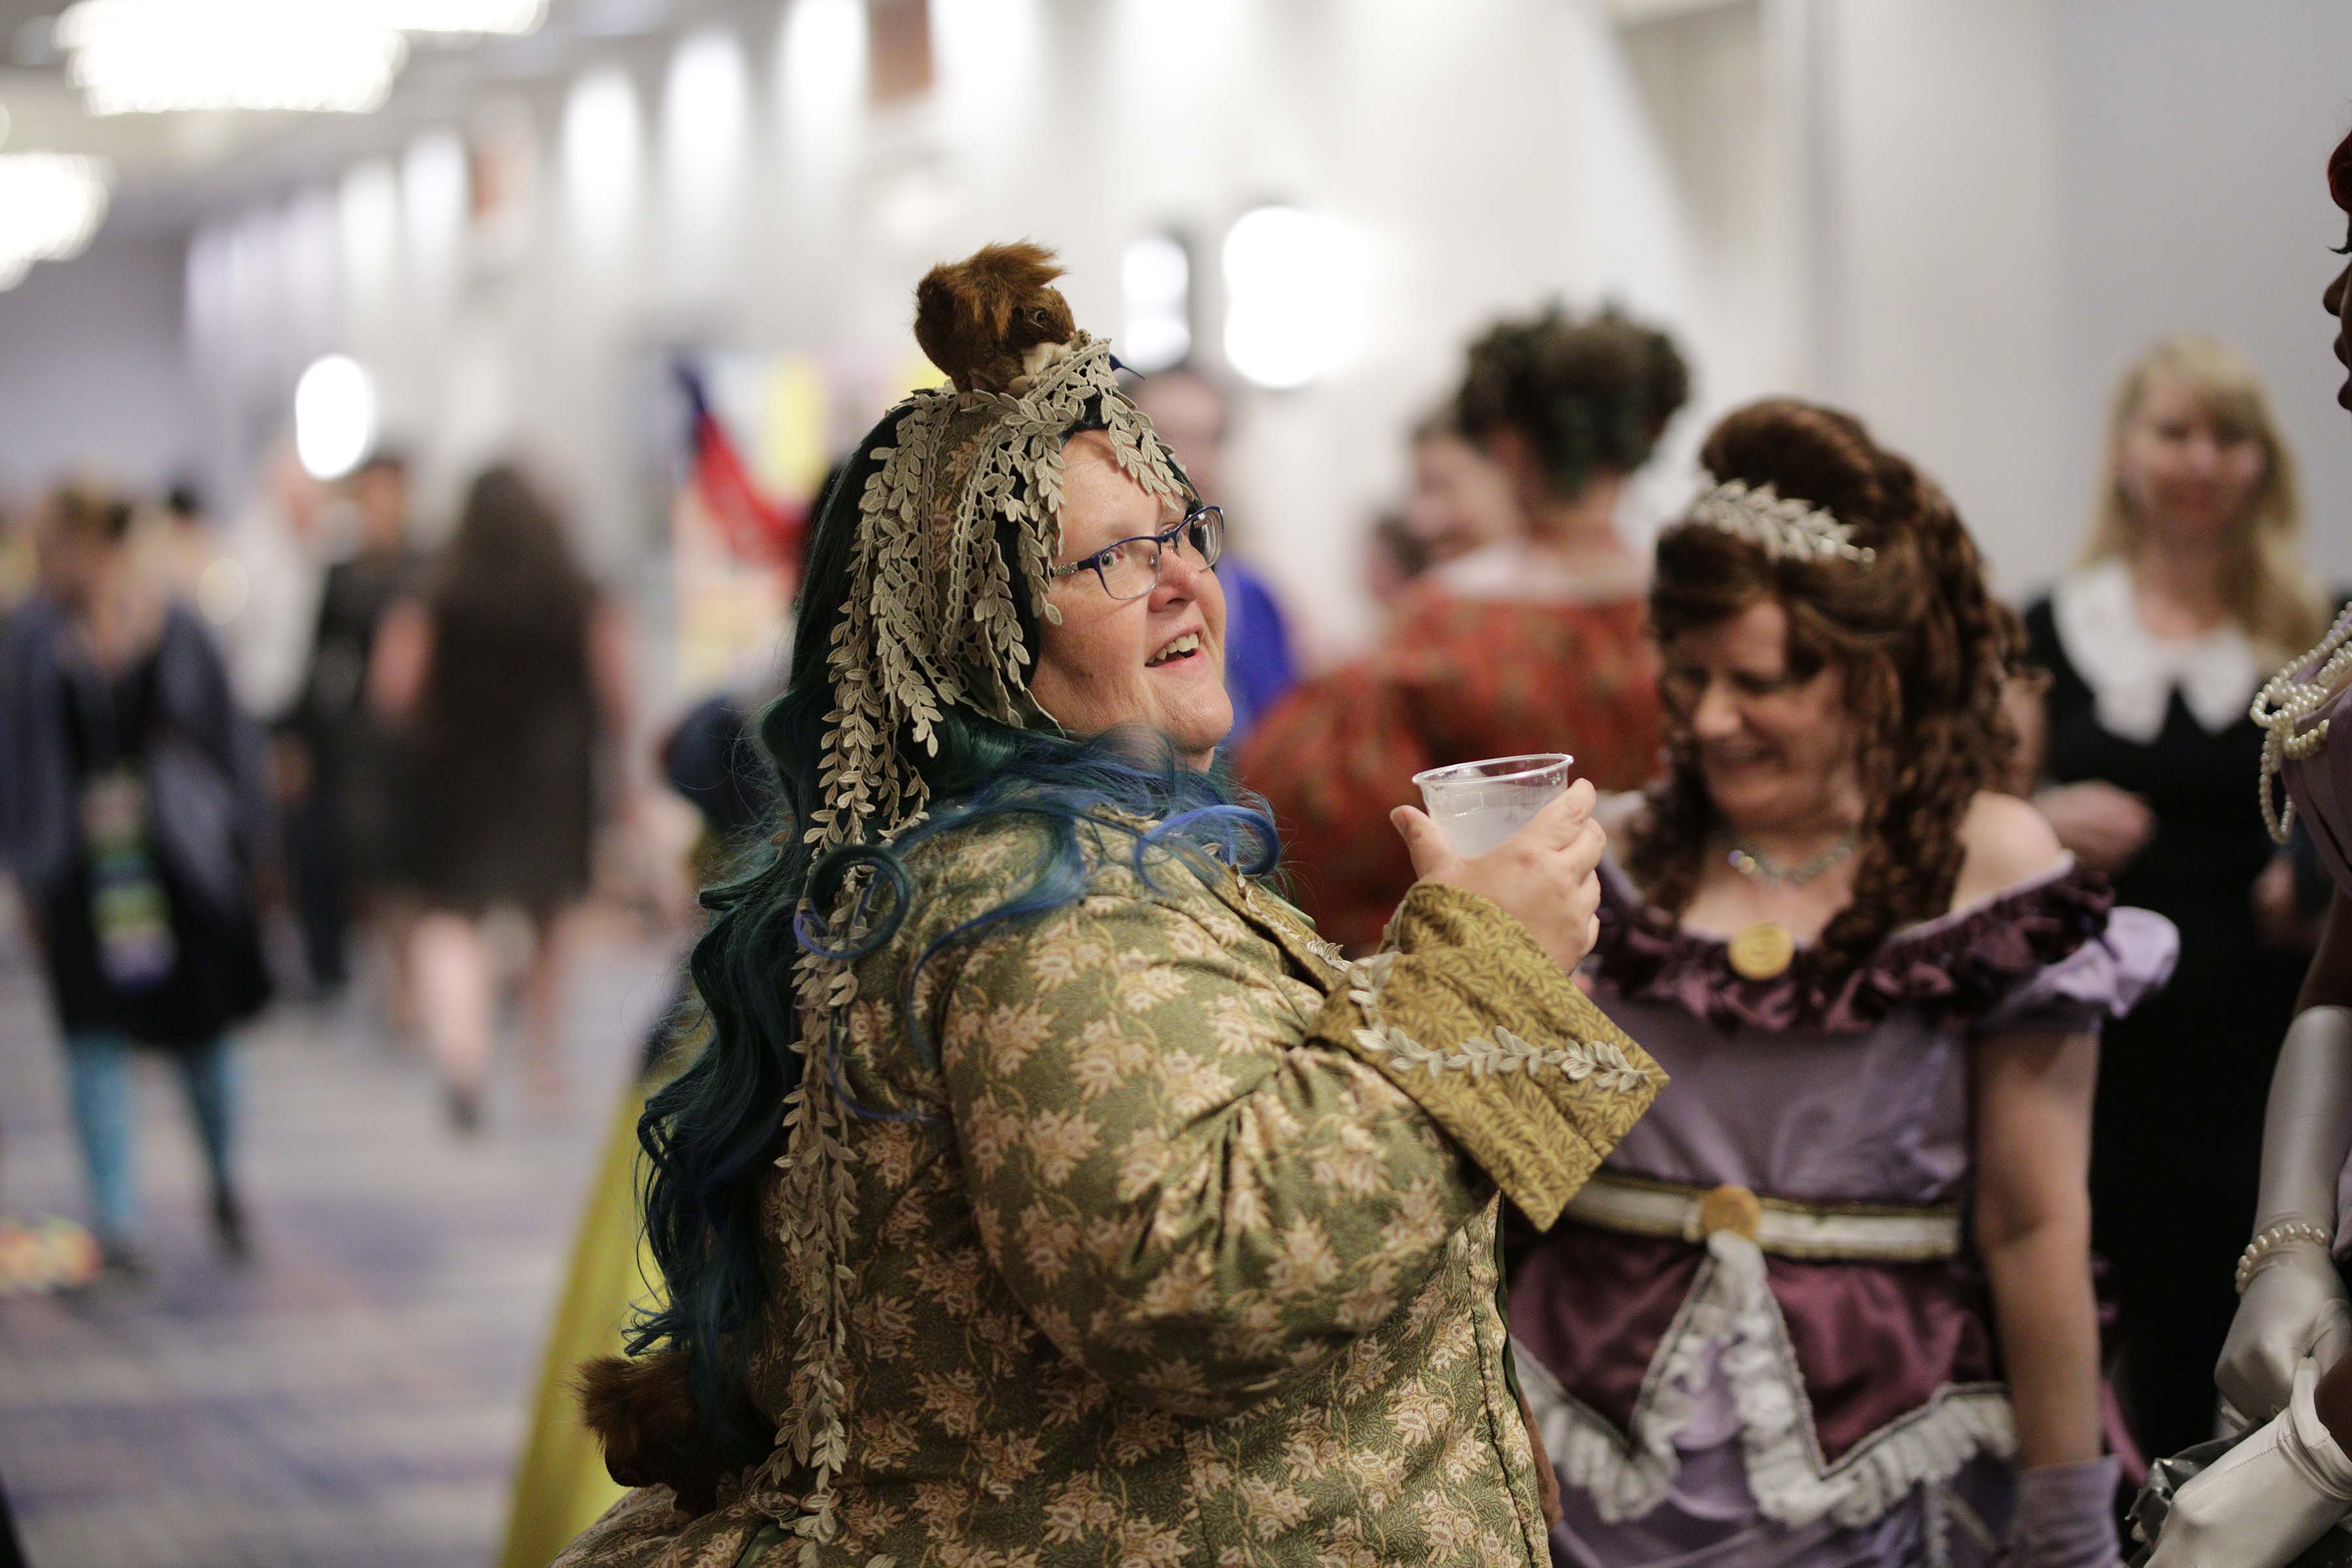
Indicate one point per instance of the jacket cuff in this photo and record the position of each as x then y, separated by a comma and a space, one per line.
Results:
1467, 1014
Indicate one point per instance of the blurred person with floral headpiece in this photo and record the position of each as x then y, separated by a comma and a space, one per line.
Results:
1048, 1191
1530, 643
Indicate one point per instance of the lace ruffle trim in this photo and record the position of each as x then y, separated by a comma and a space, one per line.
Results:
1731, 1311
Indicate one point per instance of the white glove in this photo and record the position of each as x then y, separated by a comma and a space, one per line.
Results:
2264, 1501
2295, 1309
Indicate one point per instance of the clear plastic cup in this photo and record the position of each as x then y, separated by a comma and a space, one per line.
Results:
1478, 804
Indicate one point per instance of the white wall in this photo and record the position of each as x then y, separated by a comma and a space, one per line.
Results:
2008, 198
91, 369
1938, 248
1492, 153
1957, 216
2193, 142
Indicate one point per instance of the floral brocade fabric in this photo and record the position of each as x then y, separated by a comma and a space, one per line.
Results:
1185, 1251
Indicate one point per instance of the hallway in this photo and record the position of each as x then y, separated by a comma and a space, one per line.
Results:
354, 1395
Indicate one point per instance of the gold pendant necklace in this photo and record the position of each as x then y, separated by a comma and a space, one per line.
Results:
1762, 950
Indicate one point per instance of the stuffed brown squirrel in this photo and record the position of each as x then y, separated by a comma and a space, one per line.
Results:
979, 318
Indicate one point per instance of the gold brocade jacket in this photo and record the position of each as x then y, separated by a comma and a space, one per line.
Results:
1168, 1238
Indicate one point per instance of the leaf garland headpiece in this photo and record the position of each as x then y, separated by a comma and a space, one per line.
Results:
931, 620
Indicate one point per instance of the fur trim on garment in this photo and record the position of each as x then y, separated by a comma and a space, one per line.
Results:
643, 1411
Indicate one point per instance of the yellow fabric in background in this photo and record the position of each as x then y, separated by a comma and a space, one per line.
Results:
561, 1488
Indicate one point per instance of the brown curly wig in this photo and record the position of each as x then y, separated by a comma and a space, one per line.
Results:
1587, 394
1925, 647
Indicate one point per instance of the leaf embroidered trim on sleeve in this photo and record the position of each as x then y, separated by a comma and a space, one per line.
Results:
1603, 1062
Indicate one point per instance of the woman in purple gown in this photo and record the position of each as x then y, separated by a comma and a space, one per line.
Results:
1830, 1303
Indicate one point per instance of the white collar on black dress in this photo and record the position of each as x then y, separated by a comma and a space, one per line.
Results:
2133, 675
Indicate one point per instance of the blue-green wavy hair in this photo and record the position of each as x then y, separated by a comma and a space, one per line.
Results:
711, 1136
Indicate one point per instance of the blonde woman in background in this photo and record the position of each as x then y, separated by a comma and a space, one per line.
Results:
2191, 589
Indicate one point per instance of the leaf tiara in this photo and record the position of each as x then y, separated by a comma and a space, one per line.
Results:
1786, 530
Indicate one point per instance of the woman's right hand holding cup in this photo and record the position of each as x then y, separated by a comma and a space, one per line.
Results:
1545, 874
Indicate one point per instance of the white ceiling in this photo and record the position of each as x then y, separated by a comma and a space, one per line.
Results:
173, 168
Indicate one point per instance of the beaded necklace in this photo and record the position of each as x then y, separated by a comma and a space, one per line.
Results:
2284, 702
1758, 867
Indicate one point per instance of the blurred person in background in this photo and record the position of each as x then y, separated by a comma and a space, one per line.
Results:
2192, 588
713, 760
1194, 417
508, 675
1462, 500
137, 821
265, 602
38, 1252
1765, 1334
1395, 558
1534, 643
19, 568
184, 548
346, 820
261, 592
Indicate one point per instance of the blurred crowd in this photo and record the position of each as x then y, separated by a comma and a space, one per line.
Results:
300, 723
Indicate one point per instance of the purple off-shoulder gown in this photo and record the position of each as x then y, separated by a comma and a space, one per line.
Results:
1707, 1405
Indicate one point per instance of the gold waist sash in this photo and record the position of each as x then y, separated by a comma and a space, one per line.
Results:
1862, 1233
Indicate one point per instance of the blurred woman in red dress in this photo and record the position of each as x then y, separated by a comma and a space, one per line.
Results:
1534, 643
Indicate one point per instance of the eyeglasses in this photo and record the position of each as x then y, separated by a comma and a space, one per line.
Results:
1130, 568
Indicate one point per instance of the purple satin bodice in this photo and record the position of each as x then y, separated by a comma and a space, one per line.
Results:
1835, 1114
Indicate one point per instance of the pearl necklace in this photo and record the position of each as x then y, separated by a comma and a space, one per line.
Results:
2282, 704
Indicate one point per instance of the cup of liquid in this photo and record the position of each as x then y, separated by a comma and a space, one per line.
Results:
1478, 804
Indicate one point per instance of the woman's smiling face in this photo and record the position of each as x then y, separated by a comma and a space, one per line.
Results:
1777, 749
1157, 662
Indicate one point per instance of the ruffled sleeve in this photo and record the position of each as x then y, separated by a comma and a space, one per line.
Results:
2104, 978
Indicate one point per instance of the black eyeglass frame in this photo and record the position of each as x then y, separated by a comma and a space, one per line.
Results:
1208, 517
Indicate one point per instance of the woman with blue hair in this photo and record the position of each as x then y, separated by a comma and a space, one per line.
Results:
1049, 1192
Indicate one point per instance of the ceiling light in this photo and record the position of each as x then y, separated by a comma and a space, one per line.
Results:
144, 56
706, 104
1297, 292
457, 16
334, 417
50, 204
1155, 275
603, 138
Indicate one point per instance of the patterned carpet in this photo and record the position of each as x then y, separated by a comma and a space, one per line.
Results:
354, 1396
